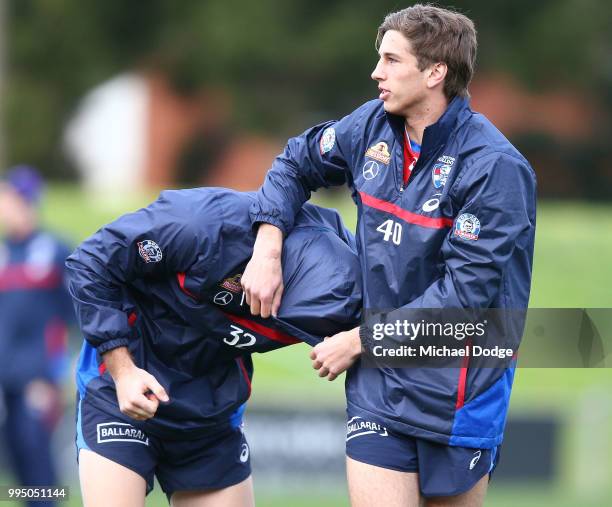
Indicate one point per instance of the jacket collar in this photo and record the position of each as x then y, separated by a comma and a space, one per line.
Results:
437, 134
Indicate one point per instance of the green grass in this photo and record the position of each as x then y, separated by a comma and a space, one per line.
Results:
76, 214
498, 496
571, 265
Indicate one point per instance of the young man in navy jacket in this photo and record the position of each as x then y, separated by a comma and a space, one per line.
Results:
165, 370
446, 219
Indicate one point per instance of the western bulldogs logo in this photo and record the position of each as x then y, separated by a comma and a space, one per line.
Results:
467, 227
439, 174
328, 139
149, 251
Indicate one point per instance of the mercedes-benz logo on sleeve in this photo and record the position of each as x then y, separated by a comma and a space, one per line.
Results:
223, 298
370, 169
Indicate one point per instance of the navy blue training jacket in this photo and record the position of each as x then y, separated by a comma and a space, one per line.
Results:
165, 282
459, 235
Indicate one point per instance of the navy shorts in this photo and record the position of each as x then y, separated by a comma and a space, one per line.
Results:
211, 462
443, 470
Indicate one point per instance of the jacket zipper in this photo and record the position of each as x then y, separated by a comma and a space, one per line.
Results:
402, 187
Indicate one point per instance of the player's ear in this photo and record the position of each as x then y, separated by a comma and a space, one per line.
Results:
436, 74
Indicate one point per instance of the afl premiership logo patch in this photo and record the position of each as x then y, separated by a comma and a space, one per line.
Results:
467, 227
328, 139
233, 283
120, 432
380, 152
149, 251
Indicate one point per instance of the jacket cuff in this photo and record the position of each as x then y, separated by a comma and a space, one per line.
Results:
112, 344
268, 219
365, 335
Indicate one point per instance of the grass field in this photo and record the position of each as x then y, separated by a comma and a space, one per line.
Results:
527, 497
571, 269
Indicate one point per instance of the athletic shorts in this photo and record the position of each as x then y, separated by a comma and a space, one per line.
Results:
443, 470
211, 462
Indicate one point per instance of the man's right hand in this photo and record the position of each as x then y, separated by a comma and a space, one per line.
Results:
262, 279
138, 392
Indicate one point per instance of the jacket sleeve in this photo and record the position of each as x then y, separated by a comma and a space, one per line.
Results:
320, 157
156, 241
66, 309
499, 191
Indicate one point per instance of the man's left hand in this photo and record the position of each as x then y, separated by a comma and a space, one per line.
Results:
336, 354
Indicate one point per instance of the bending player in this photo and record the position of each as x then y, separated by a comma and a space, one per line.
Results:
165, 369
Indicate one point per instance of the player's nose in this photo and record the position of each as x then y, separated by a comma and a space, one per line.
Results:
377, 73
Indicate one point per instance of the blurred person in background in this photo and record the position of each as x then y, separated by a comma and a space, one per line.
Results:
35, 309
165, 370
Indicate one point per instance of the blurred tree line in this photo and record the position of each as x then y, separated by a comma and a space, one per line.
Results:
286, 64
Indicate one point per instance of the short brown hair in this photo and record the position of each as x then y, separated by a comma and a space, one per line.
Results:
437, 35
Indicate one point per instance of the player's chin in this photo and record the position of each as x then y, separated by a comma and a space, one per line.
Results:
391, 107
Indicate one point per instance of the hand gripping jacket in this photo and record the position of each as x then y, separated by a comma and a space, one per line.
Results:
165, 281
459, 235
